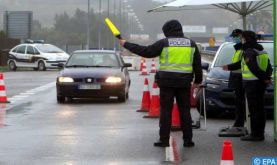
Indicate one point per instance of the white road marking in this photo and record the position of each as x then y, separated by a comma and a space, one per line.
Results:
28, 93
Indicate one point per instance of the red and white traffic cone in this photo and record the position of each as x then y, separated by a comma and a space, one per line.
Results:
3, 96
154, 111
145, 102
175, 121
144, 69
227, 154
153, 67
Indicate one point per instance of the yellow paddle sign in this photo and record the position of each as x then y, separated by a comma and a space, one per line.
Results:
113, 28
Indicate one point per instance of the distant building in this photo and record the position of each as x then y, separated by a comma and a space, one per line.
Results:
18, 24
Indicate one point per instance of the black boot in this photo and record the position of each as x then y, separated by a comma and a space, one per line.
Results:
161, 144
188, 143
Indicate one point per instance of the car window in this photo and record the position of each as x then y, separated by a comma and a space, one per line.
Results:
94, 60
226, 53
36, 51
14, 50
30, 50
21, 49
268, 47
47, 48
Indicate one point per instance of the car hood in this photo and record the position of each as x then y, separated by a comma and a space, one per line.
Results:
218, 73
90, 72
56, 56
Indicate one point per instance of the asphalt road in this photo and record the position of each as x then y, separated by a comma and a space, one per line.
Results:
37, 130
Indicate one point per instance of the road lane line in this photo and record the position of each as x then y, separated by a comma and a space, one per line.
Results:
31, 92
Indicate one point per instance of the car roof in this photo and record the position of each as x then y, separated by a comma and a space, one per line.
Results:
232, 43
94, 51
260, 41
33, 44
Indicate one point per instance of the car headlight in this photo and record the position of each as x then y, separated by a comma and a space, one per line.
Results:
66, 79
113, 80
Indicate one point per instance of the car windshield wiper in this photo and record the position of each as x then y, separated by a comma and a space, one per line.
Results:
102, 66
75, 66
54, 52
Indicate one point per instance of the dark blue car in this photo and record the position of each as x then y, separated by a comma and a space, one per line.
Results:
94, 74
219, 98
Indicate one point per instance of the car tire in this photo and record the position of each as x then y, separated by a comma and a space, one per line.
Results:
122, 97
200, 103
60, 99
69, 99
12, 66
127, 95
41, 66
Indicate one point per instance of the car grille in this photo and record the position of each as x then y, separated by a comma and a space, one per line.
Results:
100, 80
92, 80
78, 80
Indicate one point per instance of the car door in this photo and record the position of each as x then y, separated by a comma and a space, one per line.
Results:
20, 55
30, 55
125, 71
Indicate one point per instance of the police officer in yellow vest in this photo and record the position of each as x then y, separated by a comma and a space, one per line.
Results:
235, 79
180, 64
256, 74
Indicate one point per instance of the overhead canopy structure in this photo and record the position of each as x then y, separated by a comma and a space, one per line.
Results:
241, 7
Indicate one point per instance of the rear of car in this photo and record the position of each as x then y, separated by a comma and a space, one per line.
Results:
219, 97
38, 56
93, 74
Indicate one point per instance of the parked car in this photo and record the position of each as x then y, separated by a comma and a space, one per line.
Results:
94, 74
220, 98
38, 56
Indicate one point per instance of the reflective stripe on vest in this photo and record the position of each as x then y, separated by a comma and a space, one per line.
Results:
178, 57
236, 58
262, 60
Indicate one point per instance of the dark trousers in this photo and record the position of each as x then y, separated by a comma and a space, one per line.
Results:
235, 82
182, 95
255, 96
240, 105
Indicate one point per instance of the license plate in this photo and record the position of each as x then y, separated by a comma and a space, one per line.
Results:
90, 86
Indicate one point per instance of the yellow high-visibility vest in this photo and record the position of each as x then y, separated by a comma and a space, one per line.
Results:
236, 58
262, 60
178, 56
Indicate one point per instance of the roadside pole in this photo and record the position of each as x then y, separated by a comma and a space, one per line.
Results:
275, 65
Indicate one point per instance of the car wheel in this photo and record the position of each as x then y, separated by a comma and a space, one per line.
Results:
127, 95
12, 66
60, 99
41, 66
200, 103
122, 97
69, 99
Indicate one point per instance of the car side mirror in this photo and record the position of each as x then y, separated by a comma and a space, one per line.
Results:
127, 65
205, 65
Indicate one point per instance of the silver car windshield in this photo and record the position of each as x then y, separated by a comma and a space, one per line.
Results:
226, 53
93, 60
47, 48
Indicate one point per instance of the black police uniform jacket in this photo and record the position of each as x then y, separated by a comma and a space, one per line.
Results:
171, 29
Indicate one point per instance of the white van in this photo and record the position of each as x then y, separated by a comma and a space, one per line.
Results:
38, 56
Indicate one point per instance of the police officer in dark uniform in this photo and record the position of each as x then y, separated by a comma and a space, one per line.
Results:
256, 75
180, 64
235, 79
